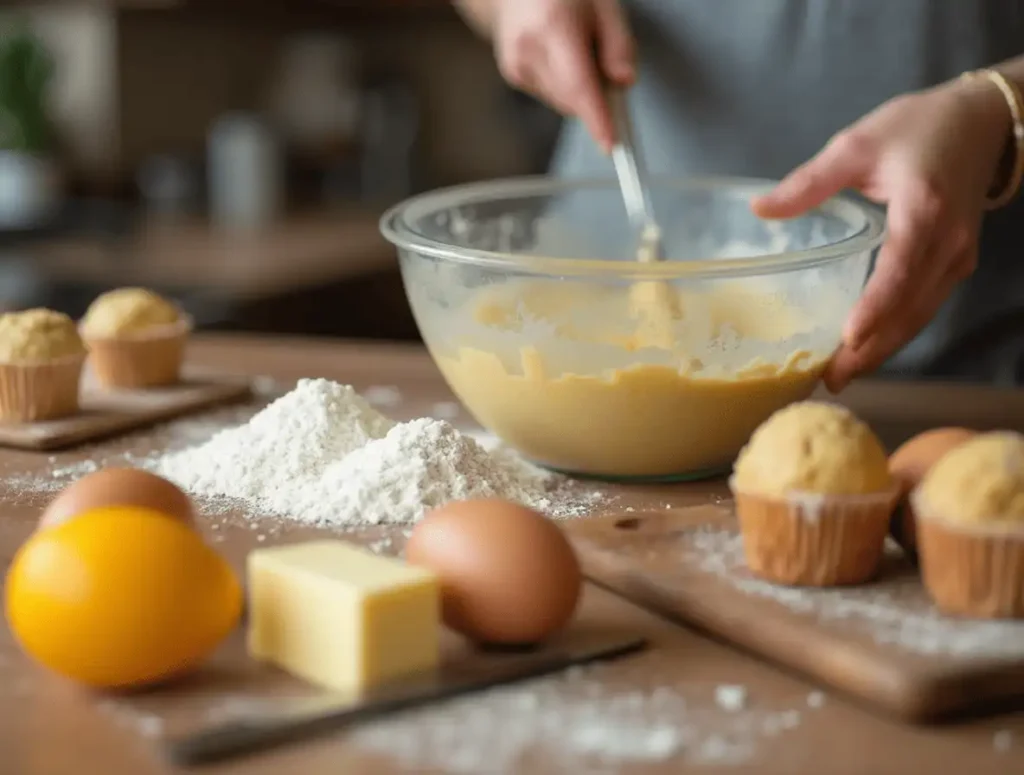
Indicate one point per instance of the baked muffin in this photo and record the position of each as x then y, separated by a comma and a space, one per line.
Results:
814, 497
970, 526
136, 339
41, 358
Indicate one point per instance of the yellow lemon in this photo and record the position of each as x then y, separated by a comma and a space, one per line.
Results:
120, 597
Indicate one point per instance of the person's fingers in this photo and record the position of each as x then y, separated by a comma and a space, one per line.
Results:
520, 57
840, 164
535, 76
850, 362
556, 61
910, 251
548, 87
615, 46
840, 369
572, 64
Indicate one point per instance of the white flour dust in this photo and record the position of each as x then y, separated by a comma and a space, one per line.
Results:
1002, 741
581, 725
730, 697
322, 454
179, 433
895, 611
577, 722
134, 450
445, 410
383, 395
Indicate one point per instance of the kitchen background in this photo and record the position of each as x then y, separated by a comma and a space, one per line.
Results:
237, 155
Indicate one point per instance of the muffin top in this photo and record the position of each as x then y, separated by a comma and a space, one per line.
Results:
38, 335
812, 447
979, 482
127, 311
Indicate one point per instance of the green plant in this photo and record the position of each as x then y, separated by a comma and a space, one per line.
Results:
26, 69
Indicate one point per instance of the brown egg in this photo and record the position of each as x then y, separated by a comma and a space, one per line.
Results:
118, 487
908, 465
508, 574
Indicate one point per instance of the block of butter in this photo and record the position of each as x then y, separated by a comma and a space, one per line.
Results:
341, 617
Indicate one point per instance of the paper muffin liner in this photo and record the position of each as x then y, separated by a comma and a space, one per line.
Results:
814, 540
33, 392
151, 358
970, 571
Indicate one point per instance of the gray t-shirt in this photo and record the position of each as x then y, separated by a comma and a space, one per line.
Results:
756, 87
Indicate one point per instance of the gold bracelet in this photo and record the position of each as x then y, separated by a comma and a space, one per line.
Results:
1015, 102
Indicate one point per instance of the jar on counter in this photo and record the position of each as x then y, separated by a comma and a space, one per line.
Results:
314, 96
244, 173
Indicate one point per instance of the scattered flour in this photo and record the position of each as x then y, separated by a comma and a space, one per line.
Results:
175, 435
731, 697
1002, 741
578, 722
894, 612
816, 700
322, 455
383, 395
76, 470
445, 410
265, 386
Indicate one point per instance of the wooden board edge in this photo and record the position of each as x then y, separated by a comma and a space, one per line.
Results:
888, 689
900, 685
987, 689
229, 393
889, 699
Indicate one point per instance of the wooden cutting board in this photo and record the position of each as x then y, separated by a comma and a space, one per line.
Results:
106, 413
882, 643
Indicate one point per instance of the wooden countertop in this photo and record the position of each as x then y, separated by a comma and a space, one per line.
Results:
49, 728
299, 251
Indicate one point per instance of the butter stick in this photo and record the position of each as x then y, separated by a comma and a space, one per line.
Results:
341, 617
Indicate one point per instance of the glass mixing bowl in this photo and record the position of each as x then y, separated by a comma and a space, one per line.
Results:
530, 299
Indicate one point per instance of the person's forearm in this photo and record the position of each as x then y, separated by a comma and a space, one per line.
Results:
1013, 69
479, 14
992, 106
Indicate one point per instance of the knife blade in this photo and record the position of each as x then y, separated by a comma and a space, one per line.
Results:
327, 713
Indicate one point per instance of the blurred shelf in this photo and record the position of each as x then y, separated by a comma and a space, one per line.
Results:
301, 251
344, 7
286, 13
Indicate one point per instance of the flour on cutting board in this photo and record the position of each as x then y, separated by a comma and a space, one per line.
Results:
895, 612
576, 721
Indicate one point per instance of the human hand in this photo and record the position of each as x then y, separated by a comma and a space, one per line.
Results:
546, 48
931, 157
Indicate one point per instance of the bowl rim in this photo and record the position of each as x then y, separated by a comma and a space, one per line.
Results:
396, 228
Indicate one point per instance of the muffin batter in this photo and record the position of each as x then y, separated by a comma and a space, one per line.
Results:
610, 387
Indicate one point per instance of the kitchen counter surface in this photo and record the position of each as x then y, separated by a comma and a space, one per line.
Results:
304, 250
677, 692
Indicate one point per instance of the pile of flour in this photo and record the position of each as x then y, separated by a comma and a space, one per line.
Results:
322, 455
